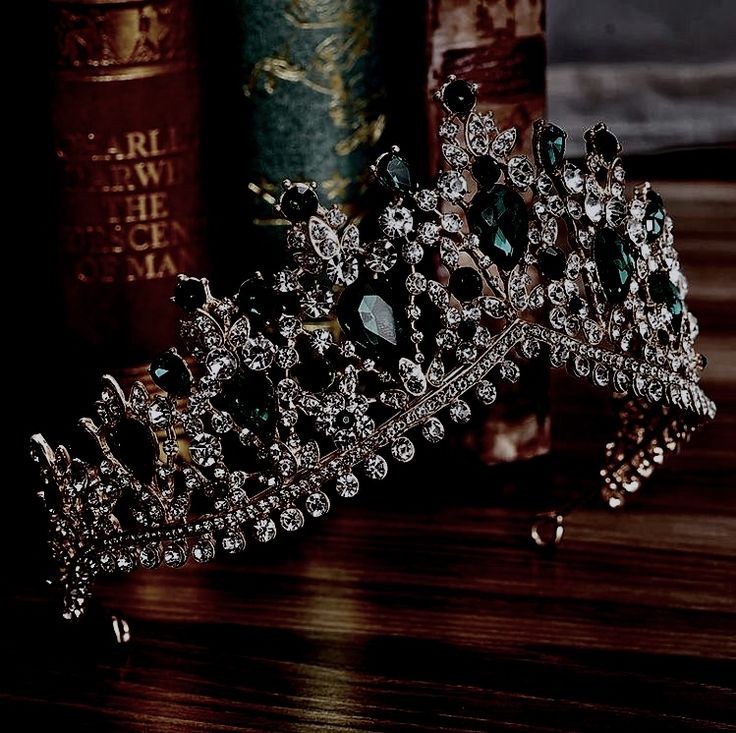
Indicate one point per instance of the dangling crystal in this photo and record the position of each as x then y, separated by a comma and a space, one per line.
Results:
460, 411
615, 212
433, 430
593, 207
347, 485
291, 519
317, 504
402, 449
486, 392
375, 467
264, 529
573, 179
509, 370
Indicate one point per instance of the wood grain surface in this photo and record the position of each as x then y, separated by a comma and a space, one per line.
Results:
421, 606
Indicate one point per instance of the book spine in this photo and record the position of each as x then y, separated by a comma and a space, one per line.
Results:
313, 84
501, 46
126, 128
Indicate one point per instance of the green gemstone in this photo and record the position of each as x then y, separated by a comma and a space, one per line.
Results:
368, 315
498, 217
393, 172
551, 146
663, 291
249, 398
614, 263
654, 216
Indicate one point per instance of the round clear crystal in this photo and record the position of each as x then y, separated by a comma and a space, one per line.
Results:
433, 430
460, 411
347, 485
317, 504
375, 467
402, 449
264, 529
291, 519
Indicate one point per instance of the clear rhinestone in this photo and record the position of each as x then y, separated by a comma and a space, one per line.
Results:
335, 217
258, 353
433, 430
381, 256
600, 375
426, 199
323, 238
460, 411
205, 450
574, 208
203, 550
437, 294
412, 252
520, 171
347, 485
452, 223
402, 449
343, 271
416, 283
317, 504
504, 142
160, 413
412, 377
291, 519
428, 232
375, 467
320, 340
637, 231
638, 209
449, 129
233, 541
615, 212
448, 253
455, 155
452, 186
317, 302
549, 231
175, 555
573, 179
486, 392
396, 221
150, 556
264, 529
476, 134
545, 185
509, 370
286, 357
593, 207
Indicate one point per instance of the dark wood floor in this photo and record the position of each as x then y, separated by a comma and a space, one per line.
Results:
420, 605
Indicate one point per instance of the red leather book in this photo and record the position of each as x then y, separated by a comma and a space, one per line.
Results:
501, 46
126, 129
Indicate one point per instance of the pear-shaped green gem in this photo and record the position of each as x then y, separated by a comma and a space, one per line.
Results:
614, 263
393, 172
499, 218
551, 146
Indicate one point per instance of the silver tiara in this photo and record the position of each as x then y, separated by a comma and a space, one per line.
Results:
308, 382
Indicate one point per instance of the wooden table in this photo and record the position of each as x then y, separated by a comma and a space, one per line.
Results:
421, 605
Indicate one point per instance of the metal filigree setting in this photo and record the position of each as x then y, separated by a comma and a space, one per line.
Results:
306, 383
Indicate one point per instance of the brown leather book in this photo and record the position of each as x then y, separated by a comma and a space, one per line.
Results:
126, 129
499, 45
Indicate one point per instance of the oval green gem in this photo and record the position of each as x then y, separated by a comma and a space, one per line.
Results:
614, 263
498, 217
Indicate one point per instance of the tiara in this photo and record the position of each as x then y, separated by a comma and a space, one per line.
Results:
276, 410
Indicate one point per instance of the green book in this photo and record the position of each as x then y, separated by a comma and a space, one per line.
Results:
314, 90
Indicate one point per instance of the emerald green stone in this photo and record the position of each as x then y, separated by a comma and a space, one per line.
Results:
654, 216
393, 172
614, 263
551, 146
369, 316
498, 217
663, 291
249, 398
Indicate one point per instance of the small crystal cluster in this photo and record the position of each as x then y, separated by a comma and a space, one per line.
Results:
293, 387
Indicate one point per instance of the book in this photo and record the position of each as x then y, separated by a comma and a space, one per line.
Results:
126, 130
313, 85
501, 46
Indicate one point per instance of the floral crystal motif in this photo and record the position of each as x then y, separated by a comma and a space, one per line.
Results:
293, 386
